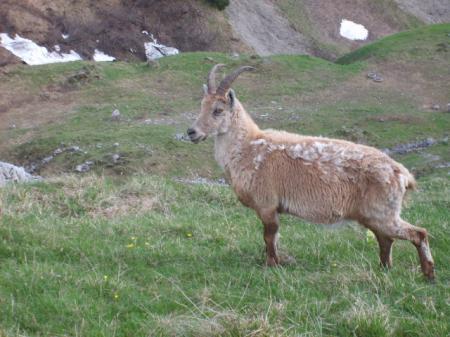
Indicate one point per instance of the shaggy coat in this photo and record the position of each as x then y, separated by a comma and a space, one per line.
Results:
318, 179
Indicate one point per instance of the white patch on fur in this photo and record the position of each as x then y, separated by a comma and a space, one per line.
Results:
424, 247
258, 161
258, 142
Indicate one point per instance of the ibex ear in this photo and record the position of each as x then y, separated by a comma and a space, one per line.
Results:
231, 98
205, 89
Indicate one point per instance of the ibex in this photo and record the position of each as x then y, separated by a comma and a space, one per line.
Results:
318, 179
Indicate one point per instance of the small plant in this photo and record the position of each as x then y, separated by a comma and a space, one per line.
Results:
220, 4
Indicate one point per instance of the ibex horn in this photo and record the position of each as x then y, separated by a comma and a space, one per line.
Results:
227, 81
212, 78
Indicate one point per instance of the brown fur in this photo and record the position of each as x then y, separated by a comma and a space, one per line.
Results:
318, 179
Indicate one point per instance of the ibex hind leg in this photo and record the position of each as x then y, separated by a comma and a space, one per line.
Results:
400, 229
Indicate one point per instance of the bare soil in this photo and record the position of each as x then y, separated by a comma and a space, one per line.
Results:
115, 26
265, 29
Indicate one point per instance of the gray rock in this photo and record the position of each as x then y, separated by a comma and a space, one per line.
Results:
116, 144
115, 158
73, 149
448, 107
182, 137
47, 160
115, 116
409, 147
11, 173
85, 167
374, 76
436, 107
58, 151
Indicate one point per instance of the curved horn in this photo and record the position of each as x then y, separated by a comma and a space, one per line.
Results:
227, 81
212, 78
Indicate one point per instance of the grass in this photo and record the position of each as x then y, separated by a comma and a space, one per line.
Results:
126, 250
146, 256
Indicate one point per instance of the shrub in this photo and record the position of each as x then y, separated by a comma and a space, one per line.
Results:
220, 4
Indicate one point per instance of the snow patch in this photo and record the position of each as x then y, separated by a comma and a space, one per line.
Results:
154, 50
65, 36
33, 54
353, 31
100, 56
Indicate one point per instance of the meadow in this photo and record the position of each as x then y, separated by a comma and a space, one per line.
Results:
134, 248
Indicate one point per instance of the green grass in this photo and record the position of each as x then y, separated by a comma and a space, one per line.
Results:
147, 256
430, 42
168, 92
127, 251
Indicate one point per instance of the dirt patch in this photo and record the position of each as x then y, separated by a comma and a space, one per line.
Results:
117, 27
7, 58
121, 206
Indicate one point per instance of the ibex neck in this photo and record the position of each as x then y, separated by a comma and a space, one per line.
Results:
242, 130
243, 126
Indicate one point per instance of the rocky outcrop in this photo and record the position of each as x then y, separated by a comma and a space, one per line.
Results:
11, 173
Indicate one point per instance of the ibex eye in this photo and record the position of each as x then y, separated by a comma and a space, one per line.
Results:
217, 112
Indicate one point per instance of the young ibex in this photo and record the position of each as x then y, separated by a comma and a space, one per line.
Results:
318, 179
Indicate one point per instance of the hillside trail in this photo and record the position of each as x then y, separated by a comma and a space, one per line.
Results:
263, 28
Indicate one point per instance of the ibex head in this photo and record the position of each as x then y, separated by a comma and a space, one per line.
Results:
217, 106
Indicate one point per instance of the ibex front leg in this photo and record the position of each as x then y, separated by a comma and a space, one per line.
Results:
269, 218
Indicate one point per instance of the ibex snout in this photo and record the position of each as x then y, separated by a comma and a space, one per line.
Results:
195, 136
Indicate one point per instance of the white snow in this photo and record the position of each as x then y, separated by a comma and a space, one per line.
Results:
100, 56
154, 50
33, 54
353, 31
65, 36
57, 48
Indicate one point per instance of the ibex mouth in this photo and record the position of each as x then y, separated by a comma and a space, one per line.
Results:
198, 139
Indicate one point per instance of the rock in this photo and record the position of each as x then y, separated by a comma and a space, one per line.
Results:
115, 116
410, 147
11, 173
85, 167
116, 144
374, 76
182, 137
448, 107
436, 107
73, 149
115, 158
58, 151
378, 79
47, 160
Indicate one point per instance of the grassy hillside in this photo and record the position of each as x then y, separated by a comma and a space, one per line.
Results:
130, 250
426, 43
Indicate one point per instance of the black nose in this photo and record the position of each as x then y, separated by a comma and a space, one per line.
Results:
191, 132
